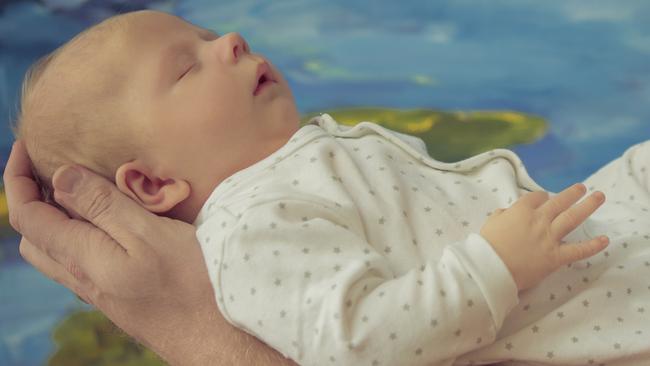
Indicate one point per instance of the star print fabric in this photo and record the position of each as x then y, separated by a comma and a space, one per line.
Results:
351, 246
595, 311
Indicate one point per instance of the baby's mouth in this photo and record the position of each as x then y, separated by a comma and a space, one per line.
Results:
264, 78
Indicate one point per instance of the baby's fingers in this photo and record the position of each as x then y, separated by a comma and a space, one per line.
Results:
570, 253
569, 219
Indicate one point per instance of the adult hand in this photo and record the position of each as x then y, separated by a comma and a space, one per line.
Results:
145, 272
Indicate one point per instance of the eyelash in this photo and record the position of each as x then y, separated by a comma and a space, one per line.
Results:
186, 72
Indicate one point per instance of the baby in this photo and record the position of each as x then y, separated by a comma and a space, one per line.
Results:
164, 108
344, 245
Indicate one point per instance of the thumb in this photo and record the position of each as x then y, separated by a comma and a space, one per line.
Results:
97, 200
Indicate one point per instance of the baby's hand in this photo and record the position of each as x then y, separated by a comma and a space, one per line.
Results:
528, 234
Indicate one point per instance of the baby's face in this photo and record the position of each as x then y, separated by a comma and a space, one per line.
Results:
197, 99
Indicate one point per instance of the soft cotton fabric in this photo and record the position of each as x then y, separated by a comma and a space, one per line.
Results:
351, 246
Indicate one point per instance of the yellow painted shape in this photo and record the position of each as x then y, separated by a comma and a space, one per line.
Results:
421, 126
4, 210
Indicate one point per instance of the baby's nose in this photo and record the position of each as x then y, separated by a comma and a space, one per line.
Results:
235, 45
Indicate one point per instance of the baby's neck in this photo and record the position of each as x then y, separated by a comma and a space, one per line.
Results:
189, 209
200, 191
186, 211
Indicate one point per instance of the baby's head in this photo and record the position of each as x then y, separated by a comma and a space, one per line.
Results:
161, 107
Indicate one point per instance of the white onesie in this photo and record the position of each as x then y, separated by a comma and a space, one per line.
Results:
351, 246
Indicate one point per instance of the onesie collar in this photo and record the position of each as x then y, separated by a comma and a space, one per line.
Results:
316, 127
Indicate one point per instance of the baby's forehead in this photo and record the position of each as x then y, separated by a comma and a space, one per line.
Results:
120, 28
135, 31
91, 60
93, 43
117, 48
152, 23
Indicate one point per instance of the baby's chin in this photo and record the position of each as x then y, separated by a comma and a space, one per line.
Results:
283, 113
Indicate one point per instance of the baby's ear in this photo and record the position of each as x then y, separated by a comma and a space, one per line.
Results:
153, 193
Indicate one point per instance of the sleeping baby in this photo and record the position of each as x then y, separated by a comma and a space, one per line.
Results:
341, 245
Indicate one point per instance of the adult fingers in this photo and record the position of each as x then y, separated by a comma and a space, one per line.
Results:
563, 200
532, 199
100, 202
568, 220
60, 238
569, 253
37, 221
72, 277
78, 246
20, 187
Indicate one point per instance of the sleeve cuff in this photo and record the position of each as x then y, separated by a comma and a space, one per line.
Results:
490, 274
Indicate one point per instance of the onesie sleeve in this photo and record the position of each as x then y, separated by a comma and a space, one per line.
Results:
302, 278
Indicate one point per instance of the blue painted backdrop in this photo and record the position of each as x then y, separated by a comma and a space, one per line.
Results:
582, 65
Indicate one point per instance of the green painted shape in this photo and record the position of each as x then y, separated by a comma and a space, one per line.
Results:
5, 229
450, 136
88, 338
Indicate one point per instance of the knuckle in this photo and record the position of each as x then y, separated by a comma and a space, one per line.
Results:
46, 245
567, 258
81, 294
74, 269
538, 196
571, 219
580, 252
554, 204
100, 203
94, 295
82, 235
539, 220
14, 220
548, 216
22, 249
144, 233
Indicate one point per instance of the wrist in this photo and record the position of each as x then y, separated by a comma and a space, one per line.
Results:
206, 338
190, 340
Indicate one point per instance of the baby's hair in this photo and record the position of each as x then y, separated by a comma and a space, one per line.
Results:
32, 76
72, 109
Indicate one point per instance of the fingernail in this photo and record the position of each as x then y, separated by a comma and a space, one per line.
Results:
603, 239
599, 195
67, 180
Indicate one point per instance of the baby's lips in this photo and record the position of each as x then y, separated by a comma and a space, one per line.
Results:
263, 74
